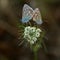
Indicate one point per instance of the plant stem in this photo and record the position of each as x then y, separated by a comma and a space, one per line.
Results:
45, 48
35, 56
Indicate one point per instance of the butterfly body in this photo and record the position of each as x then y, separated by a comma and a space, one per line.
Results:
29, 13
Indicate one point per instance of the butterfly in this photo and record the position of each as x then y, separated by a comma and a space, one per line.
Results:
29, 13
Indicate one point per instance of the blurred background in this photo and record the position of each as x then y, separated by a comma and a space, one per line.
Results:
11, 13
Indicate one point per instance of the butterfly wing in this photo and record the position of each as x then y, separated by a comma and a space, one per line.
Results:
27, 13
37, 16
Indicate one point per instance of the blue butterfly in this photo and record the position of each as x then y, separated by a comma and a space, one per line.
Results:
29, 13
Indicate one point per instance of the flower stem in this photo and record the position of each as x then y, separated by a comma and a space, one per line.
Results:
35, 56
45, 48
